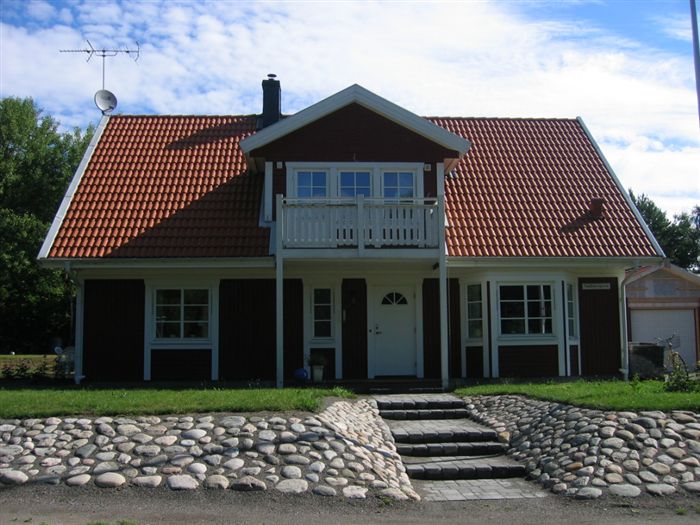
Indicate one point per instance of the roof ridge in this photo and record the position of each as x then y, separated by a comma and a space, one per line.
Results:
548, 119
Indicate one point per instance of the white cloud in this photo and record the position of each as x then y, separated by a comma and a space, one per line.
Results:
434, 58
40, 10
677, 27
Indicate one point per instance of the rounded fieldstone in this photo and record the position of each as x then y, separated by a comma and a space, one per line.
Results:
291, 472
197, 468
267, 435
660, 469
86, 450
394, 493
355, 492
234, 464
248, 484
292, 486
149, 451
78, 481
660, 489
13, 477
693, 486
110, 480
625, 490
195, 433
147, 481
286, 448
182, 482
589, 493
324, 490
216, 481
613, 478
296, 459
107, 466
128, 429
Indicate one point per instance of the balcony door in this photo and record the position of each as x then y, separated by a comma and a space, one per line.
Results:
392, 331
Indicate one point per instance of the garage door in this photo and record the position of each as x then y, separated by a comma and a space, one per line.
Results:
647, 325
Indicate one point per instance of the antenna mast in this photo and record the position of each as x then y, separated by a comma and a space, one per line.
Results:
105, 100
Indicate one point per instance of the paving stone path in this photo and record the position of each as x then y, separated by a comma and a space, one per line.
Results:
448, 456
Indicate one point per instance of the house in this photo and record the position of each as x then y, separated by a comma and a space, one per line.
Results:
392, 245
663, 301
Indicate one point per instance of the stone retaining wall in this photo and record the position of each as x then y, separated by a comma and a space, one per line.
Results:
586, 453
345, 450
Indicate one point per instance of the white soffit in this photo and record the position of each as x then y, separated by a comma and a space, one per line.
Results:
359, 95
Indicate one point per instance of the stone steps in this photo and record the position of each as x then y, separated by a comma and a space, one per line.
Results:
440, 413
437, 440
450, 449
465, 468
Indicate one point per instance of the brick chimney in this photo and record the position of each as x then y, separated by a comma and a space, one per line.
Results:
272, 100
595, 207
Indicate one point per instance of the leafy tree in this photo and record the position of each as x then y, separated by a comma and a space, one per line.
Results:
680, 238
36, 164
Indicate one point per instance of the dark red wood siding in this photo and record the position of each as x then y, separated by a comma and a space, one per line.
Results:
528, 361
430, 181
573, 355
113, 330
247, 328
454, 329
354, 300
431, 328
180, 365
475, 362
599, 316
354, 134
328, 355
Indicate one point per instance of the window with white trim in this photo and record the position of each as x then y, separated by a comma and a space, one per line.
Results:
571, 311
312, 183
525, 309
475, 329
398, 185
323, 312
354, 183
182, 313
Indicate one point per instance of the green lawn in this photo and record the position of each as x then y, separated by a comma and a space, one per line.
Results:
611, 395
36, 402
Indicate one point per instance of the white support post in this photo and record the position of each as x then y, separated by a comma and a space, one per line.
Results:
561, 320
79, 312
624, 358
442, 247
279, 294
361, 224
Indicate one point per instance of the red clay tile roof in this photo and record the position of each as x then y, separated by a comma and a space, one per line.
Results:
166, 187
179, 187
523, 190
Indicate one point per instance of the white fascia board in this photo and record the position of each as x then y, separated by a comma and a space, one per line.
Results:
68, 197
193, 263
667, 267
623, 191
550, 262
364, 97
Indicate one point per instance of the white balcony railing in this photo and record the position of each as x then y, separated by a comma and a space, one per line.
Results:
361, 223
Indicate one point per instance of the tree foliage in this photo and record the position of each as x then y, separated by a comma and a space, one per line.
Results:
37, 162
679, 238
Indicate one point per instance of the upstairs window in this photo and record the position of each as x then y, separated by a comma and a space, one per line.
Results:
475, 318
182, 313
526, 309
354, 183
312, 184
398, 185
571, 311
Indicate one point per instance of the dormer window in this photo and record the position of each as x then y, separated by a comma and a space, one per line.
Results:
354, 183
398, 185
312, 184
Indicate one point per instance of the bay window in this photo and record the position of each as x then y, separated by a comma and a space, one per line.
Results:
525, 309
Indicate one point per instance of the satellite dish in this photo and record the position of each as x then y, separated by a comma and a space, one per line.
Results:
105, 101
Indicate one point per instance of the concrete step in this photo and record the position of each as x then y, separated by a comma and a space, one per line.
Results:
424, 402
450, 449
420, 414
464, 468
437, 433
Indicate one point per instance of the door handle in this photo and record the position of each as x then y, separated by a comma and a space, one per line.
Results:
376, 329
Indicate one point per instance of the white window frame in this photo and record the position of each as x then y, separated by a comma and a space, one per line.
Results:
181, 306
331, 335
325, 171
527, 335
333, 170
355, 171
467, 318
384, 171
571, 310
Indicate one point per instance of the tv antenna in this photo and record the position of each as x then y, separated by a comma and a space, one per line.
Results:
105, 100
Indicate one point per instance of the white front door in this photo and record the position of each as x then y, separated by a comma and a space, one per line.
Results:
393, 330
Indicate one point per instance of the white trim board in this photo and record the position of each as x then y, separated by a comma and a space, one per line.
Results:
74, 183
358, 95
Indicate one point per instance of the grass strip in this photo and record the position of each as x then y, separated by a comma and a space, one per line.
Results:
605, 395
38, 402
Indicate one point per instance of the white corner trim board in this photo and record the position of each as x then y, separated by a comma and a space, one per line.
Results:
68, 197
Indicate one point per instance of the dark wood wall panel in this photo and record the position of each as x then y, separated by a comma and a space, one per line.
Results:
354, 300
180, 365
354, 134
528, 361
293, 326
247, 328
599, 316
430, 181
475, 362
573, 355
328, 355
113, 330
431, 328
454, 329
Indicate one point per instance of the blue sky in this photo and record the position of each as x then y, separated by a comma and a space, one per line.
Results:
624, 66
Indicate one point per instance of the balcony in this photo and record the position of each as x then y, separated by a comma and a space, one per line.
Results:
361, 223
